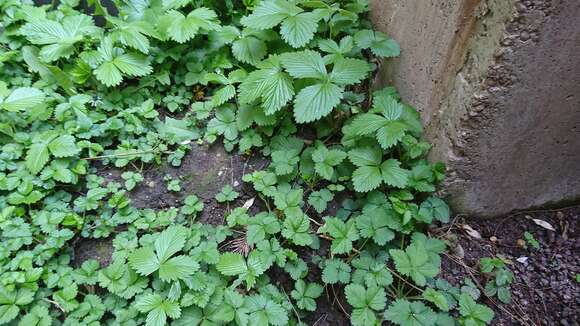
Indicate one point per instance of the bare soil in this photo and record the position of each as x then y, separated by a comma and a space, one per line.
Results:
204, 172
545, 290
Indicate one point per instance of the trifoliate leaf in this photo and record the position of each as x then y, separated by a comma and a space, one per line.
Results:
376, 227
343, 234
320, 199
404, 313
325, 160
436, 208
296, 229
181, 28
473, 313
264, 312
306, 294
147, 260
379, 43
415, 262
38, 316
336, 271
269, 14
270, 84
227, 194
234, 264
58, 39
157, 309
365, 303
115, 63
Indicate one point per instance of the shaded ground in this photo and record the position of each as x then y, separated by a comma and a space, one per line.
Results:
204, 172
544, 291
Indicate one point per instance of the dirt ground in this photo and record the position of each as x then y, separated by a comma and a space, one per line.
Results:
545, 290
204, 172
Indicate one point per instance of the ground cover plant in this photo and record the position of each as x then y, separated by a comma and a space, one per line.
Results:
289, 80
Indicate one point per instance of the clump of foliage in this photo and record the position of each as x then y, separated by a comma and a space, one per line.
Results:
500, 280
153, 77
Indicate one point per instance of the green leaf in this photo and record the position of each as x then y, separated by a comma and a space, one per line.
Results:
296, 227
473, 313
393, 174
108, 74
343, 233
147, 260
115, 63
179, 267
22, 98
272, 86
365, 156
316, 101
436, 298
38, 316
304, 64
133, 64
231, 264
249, 50
182, 28
348, 71
366, 178
305, 295
436, 208
234, 264
336, 271
365, 303
284, 161
37, 157
157, 309
264, 312
227, 194
8, 312
298, 30
269, 14
170, 241
59, 39
404, 313
63, 146
415, 262
325, 160
379, 43
178, 131
320, 199
374, 226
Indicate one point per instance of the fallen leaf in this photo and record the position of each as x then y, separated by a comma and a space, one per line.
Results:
249, 203
544, 224
470, 231
522, 259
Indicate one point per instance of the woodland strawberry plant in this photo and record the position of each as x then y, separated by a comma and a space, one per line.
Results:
289, 80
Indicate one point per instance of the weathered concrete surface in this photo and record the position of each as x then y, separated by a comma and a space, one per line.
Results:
498, 85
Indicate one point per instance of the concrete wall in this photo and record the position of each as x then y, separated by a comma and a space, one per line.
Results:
498, 85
